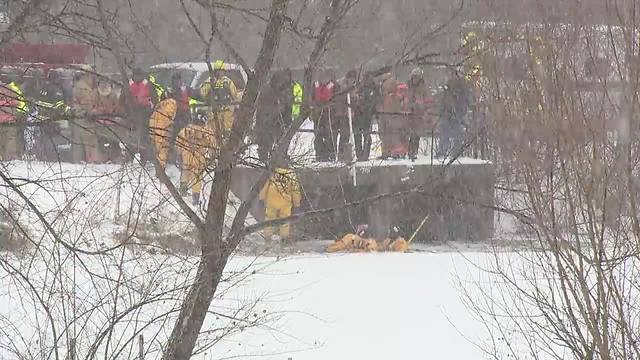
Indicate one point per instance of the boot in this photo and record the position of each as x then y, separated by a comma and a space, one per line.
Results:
195, 199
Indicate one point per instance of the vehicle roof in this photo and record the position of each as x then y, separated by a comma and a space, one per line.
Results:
45, 65
196, 66
486, 25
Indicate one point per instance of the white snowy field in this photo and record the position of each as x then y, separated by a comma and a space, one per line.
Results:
372, 306
364, 306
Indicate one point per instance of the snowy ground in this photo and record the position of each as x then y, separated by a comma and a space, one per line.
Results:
362, 306
365, 306
368, 306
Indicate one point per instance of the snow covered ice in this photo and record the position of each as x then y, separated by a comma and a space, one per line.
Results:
371, 306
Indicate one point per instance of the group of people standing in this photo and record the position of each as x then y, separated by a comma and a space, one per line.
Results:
85, 111
105, 125
196, 144
77, 110
343, 111
404, 113
28, 100
155, 121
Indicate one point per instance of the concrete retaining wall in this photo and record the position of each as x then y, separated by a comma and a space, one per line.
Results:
454, 199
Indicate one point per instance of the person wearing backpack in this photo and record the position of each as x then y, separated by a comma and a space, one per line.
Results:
221, 94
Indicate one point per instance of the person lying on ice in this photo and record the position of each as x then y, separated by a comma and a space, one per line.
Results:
280, 195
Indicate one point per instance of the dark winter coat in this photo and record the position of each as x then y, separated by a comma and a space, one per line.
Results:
369, 97
456, 100
50, 100
273, 116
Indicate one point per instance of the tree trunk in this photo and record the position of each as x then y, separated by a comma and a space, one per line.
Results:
212, 262
215, 250
194, 310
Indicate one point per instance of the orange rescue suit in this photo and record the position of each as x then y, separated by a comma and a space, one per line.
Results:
280, 194
160, 128
194, 144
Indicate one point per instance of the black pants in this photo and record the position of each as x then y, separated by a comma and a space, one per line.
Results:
181, 121
21, 126
142, 141
109, 148
269, 132
414, 144
362, 138
264, 148
326, 131
345, 150
325, 145
266, 139
46, 146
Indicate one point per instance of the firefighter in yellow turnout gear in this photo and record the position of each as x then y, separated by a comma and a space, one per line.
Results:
196, 144
160, 128
220, 93
280, 194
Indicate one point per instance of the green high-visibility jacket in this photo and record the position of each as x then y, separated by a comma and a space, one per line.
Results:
298, 96
160, 92
19, 94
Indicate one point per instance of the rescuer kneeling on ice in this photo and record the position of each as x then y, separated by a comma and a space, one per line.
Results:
280, 194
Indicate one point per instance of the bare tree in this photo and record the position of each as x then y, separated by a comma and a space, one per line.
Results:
562, 95
121, 305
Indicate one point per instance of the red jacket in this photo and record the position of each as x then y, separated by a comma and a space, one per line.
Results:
323, 93
141, 93
402, 93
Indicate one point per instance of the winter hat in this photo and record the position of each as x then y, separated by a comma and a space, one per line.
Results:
417, 72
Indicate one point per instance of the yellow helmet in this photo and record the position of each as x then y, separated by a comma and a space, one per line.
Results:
468, 37
218, 65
